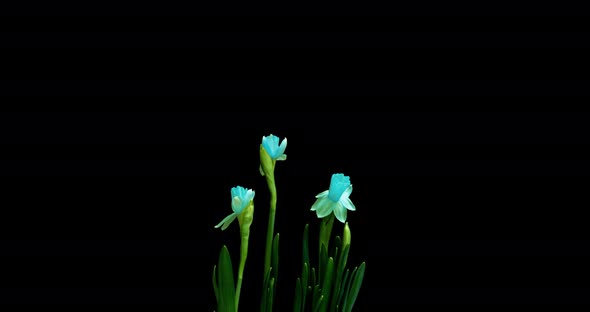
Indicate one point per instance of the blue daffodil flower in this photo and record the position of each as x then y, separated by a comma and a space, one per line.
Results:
335, 199
241, 198
272, 147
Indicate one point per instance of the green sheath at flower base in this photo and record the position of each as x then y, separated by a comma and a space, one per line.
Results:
246, 217
267, 165
335, 199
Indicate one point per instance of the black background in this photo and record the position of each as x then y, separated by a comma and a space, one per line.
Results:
111, 188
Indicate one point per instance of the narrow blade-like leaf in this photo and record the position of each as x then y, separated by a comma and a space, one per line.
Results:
327, 284
298, 296
227, 287
356, 286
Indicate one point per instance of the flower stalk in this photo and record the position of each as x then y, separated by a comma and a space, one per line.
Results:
267, 165
245, 220
243, 209
270, 152
326, 232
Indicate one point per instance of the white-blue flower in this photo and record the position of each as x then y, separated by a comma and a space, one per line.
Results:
335, 199
272, 147
241, 198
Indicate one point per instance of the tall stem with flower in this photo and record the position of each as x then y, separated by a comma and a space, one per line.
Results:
270, 152
243, 209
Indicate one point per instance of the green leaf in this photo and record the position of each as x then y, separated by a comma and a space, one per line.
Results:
298, 296
265, 290
266, 295
319, 304
306, 244
337, 246
357, 281
305, 266
322, 264
344, 288
227, 287
343, 258
340, 279
327, 284
347, 291
304, 284
215, 288
316, 297
271, 294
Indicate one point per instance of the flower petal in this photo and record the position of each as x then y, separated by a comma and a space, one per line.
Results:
347, 203
282, 157
266, 143
324, 207
229, 221
236, 204
274, 140
320, 203
226, 221
340, 212
347, 192
249, 196
322, 194
282, 147
338, 185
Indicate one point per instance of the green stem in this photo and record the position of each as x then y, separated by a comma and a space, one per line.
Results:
271, 222
243, 256
326, 231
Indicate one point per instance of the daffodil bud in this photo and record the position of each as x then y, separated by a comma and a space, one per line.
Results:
267, 164
246, 217
242, 198
270, 152
346, 236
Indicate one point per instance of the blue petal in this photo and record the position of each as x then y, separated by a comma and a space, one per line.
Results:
340, 212
243, 195
271, 145
237, 191
338, 185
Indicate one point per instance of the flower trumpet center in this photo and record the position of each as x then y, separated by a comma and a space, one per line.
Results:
271, 144
241, 197
338, 185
